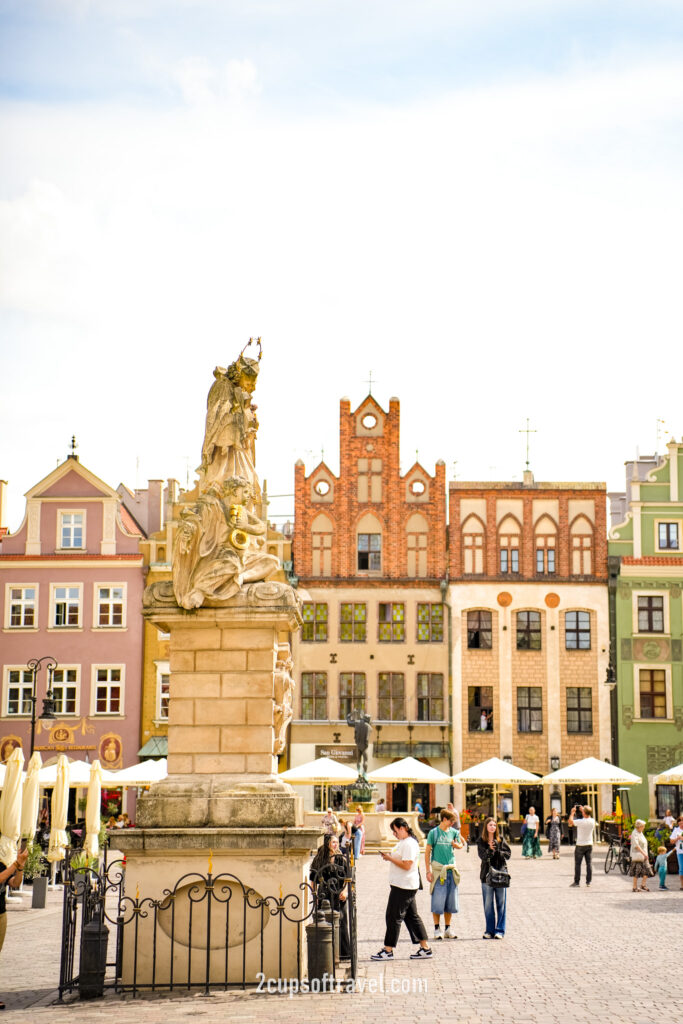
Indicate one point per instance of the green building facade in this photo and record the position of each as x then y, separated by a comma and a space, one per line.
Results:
645, 552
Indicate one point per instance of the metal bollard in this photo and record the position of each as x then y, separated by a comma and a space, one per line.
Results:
39, 896
93, 964
334, 918
319, 943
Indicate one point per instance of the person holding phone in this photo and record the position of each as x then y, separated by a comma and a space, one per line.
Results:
404, 882
10, 876
584, 842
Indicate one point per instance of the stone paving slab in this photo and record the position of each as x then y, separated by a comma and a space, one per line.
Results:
589, 956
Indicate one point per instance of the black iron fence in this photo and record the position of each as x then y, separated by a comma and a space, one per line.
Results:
208, 931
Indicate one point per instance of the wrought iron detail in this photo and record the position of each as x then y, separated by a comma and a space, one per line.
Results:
206, 932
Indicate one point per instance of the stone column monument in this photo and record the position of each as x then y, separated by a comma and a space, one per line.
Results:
222, 808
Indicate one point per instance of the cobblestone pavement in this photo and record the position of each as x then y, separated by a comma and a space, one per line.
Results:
582, 955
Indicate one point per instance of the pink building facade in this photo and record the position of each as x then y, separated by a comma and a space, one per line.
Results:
71, 583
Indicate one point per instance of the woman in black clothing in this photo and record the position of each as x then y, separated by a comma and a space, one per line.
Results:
494, 852
329, 873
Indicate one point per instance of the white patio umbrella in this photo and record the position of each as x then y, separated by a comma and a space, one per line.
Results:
592, 771
10, 806
408, 770
92, 811
496, 772
142, 774
31, 798
79, 773
324, 771
3, 772
671, 777
58, 812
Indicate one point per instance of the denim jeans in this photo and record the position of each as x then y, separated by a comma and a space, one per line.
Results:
445, 896
494, 908
581, 853
357, 840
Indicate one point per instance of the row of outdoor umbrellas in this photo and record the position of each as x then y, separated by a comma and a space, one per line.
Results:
143, 774
19, 800
494, 772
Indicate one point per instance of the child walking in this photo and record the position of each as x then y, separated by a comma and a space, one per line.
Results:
661, 866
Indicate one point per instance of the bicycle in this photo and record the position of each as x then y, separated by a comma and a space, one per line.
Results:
619, 853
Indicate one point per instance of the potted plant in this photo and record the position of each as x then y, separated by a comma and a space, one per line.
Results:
465, 819
33, 872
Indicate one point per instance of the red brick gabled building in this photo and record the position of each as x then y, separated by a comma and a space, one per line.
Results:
370, 550
370, 497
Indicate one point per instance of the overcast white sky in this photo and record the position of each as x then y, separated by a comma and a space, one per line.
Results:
478, 201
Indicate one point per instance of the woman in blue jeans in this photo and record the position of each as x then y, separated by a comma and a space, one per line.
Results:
494, 852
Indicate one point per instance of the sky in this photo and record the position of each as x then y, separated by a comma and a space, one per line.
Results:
478, 203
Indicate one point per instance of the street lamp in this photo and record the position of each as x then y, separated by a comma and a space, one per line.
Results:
48, 712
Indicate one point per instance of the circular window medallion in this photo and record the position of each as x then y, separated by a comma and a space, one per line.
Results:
552, 600
504, 599
417, 487
369, 421
651, 650
322, 488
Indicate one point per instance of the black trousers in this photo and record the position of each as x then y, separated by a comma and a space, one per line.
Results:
579, 853
402, 907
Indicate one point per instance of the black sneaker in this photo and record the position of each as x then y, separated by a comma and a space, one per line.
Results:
421, 954
575, 885
383, 954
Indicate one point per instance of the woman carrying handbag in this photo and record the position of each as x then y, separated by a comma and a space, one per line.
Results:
495, 878
640, 857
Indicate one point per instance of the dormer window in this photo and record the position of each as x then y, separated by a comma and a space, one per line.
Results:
71, 529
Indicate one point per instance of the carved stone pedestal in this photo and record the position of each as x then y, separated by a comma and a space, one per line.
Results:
221, 810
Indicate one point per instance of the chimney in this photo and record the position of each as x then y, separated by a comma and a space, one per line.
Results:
172, 487
155, 505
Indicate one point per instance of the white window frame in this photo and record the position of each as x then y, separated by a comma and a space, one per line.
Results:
24, 715
637, 666
94, 713
9, 587
163, 669
646, 592
96, 607
53, 606
76, 684
679, 523
60, 518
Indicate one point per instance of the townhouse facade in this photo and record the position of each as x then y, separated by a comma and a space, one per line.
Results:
528, 604
71, 581
646, 583
369, 551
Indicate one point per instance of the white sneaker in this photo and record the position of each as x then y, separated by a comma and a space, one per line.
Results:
421, 954
448, 934
437, 933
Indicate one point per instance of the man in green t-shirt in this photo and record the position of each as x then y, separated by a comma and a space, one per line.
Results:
442, 872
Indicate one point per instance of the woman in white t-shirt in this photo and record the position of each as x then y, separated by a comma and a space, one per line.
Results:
404, 881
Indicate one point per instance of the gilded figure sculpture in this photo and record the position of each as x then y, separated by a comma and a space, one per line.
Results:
231, 425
